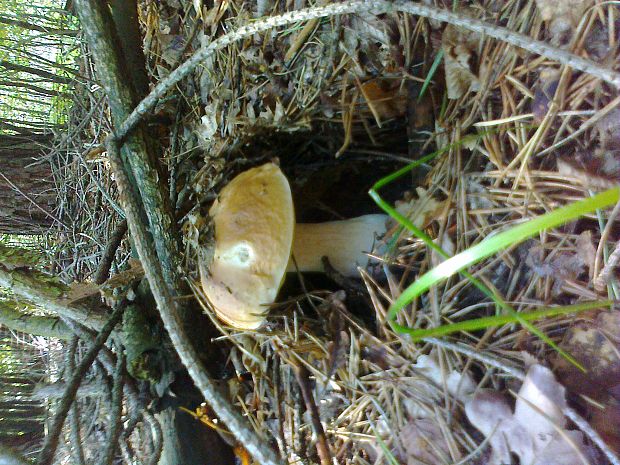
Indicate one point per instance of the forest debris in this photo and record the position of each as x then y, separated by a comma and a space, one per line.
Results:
564, 266
80, 291
535, 432
595, 343
387, 99
544, 91
421, 440
562, 16
598, 167
208, 124
120, 286
460, 50
458, 385
421, 211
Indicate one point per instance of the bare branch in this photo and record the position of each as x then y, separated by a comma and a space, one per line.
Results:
30, 286
48, 451
115, 413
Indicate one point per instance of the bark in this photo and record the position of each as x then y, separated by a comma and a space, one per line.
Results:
26, 197
125, 17
46, 326
146, 174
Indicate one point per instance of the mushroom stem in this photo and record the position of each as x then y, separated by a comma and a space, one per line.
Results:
345, 243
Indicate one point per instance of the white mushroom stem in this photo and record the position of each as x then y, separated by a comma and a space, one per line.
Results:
345, 243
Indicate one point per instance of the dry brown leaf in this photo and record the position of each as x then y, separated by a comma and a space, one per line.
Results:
596, 345
460, 49
421, 211
544, 91
121, 284
387, 99
80, 291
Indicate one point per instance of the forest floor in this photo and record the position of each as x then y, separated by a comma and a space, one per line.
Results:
341, 102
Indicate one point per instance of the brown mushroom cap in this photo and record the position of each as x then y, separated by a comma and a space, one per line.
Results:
254, 222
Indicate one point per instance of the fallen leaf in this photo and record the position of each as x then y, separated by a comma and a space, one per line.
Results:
421, 211
535, 432
80, 291
460, 49
595, 344
387, 99
544, 91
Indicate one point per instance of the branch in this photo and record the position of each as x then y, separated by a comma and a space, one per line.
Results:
51, 441
143, 166
74, 413
115, 412
42, 291
46, 326
103, 270
136, 409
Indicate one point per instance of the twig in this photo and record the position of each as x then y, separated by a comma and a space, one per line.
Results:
136, 409
51, 441
584, 426
604, 276
611, 220
103, 270
168, 311
322, 448
74, 413
115, 412
363, 6
156, 434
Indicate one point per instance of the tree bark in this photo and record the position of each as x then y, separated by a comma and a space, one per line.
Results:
26, 197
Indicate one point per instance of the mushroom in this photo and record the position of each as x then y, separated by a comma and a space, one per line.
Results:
254, 227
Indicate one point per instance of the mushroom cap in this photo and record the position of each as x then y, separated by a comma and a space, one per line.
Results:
254, 222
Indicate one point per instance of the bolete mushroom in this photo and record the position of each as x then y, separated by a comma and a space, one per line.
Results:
255, 234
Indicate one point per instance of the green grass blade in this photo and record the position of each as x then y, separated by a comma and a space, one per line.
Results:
499, 320
431, 74
500, 241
